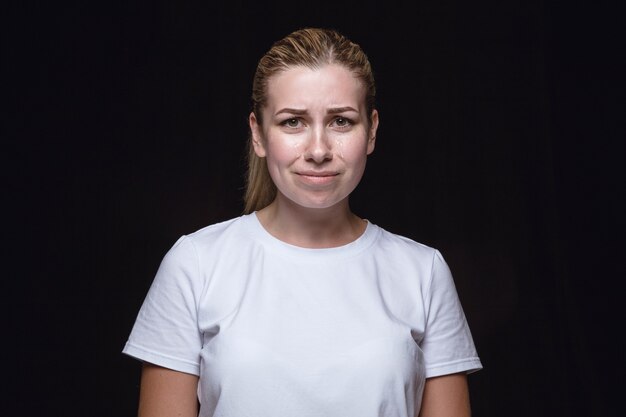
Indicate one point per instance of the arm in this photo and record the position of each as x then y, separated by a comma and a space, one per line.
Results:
446, 396
167, 393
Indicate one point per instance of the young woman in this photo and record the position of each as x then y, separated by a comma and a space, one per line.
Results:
299, 307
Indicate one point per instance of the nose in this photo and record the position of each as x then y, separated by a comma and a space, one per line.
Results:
318, 148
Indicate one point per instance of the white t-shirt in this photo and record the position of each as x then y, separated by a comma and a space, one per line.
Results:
278, 330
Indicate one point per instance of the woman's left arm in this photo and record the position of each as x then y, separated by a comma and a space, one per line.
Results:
446, 396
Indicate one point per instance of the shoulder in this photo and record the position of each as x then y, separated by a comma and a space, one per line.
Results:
397, 245
209, 238
236, 228
407, 260
213, 230
188, 258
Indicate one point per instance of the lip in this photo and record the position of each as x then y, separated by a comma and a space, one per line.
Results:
317, 177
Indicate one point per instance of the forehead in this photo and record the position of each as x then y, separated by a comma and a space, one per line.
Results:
304, 87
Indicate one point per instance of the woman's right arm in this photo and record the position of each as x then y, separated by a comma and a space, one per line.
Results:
167, 393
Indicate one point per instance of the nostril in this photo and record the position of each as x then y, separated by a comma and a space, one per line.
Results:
318, 150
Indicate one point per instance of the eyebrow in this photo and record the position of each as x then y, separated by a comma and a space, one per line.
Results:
333, 110
336, 110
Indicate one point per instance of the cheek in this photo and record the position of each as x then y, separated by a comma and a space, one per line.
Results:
353, 151
339, 147
282, 152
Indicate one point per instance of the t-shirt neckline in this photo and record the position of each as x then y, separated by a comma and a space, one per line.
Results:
349, 249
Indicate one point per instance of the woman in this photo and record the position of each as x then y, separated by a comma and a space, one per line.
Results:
300, 307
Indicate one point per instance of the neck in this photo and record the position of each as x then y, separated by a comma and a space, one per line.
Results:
311, 228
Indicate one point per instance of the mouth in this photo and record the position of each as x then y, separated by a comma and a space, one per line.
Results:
318, 178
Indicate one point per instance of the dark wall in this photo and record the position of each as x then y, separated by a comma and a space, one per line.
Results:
501, 144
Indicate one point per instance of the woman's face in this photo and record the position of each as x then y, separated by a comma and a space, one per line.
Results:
315, 134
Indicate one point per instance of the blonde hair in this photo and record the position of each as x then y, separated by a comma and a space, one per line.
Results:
309, 47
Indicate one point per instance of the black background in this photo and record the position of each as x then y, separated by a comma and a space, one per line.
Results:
501, 144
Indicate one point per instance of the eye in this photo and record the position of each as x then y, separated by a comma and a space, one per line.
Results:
342, 122
292, 122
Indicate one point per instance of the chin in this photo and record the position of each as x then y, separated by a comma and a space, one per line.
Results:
319, 203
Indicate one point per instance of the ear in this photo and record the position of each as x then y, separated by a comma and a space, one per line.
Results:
257, 137
371, 140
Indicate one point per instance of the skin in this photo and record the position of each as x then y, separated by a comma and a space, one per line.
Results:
167, 393
316, 139
446, 396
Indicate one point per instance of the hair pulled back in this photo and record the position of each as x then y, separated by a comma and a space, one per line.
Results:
312, 48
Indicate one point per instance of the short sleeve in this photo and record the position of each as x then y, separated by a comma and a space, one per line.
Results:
166, 332
447, 344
